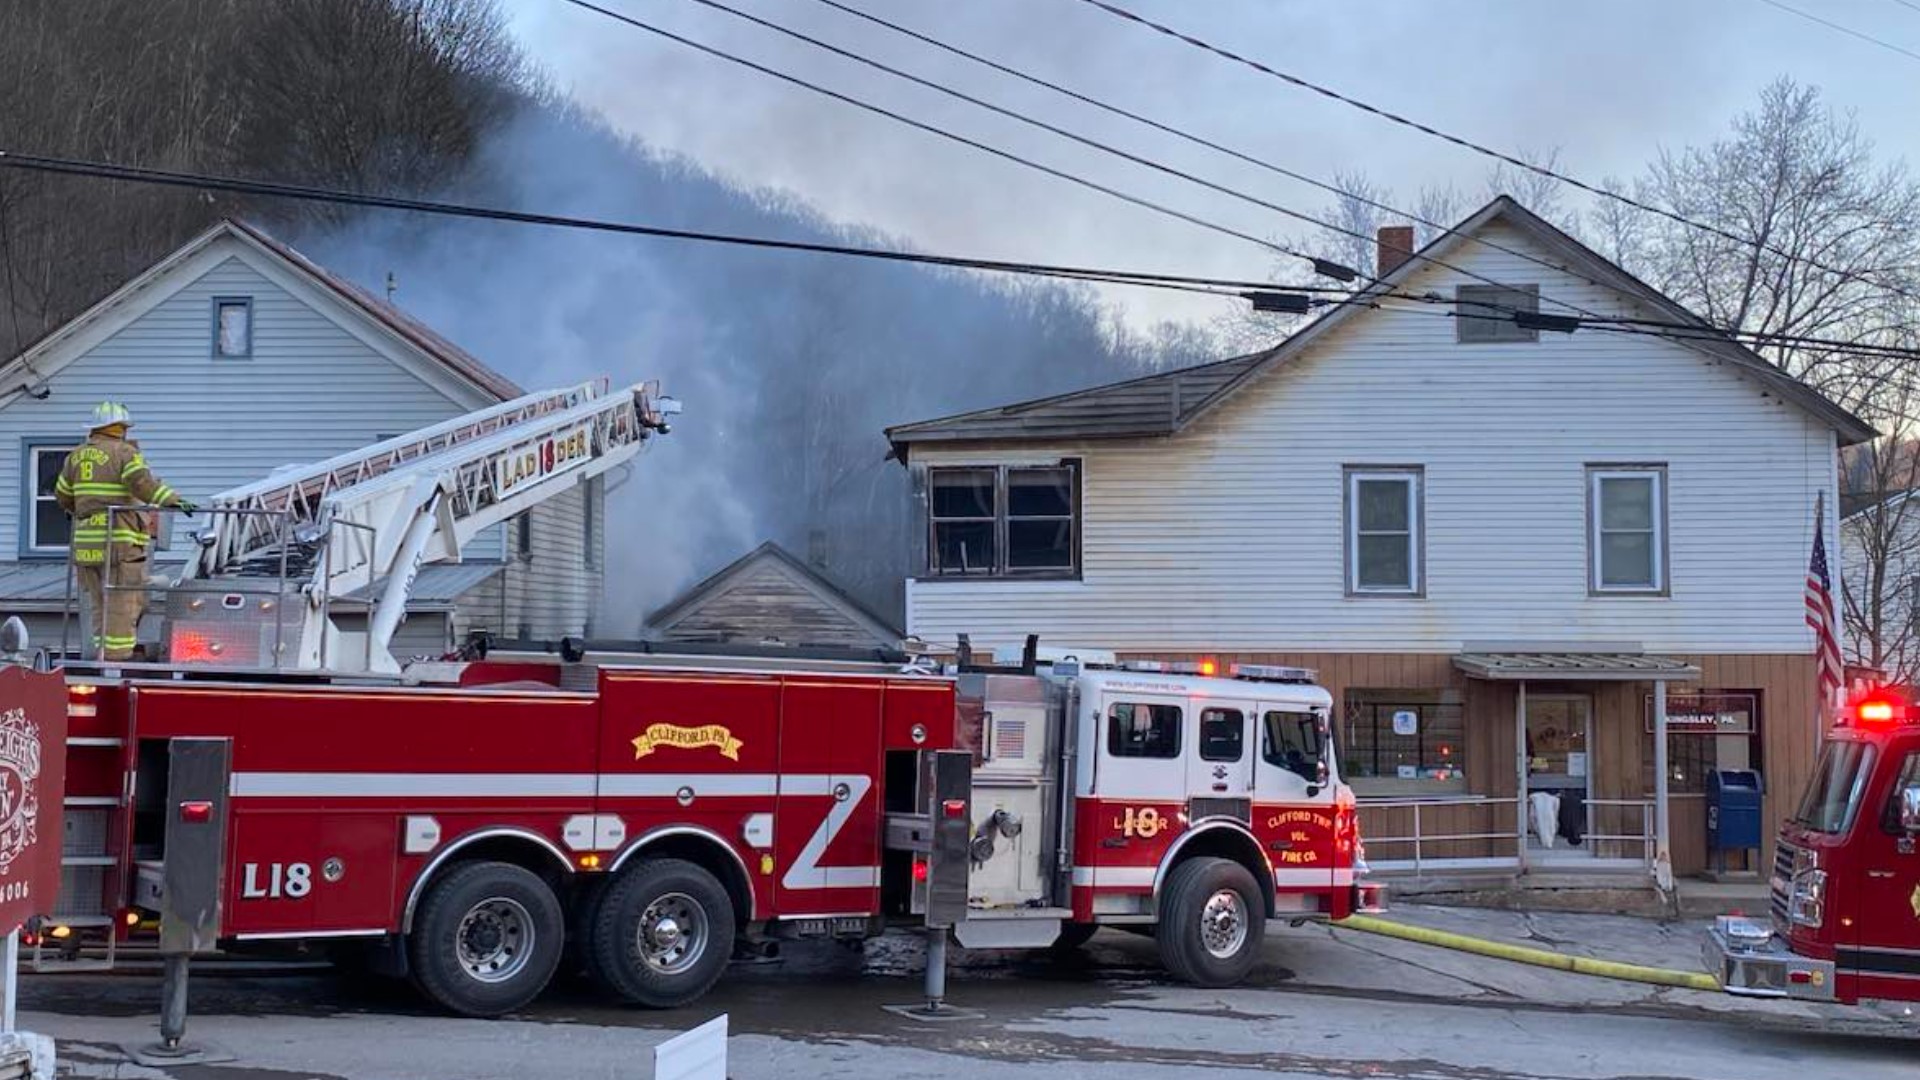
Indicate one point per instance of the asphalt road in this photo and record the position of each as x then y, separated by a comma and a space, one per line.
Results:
1108, 1014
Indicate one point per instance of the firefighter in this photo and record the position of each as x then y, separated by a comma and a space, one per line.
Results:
106, 471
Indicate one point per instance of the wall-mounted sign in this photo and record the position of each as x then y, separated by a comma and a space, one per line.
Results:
1708, 714
1406, 722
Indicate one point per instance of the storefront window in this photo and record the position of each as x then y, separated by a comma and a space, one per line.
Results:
1404, 742
1716, 729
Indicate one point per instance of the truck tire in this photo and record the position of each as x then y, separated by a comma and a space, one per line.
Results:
1212, 921
486, 939
663, 934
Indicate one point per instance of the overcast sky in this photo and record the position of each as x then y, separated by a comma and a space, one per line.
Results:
1606, 84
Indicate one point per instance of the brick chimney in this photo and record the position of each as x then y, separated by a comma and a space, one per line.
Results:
1396, 247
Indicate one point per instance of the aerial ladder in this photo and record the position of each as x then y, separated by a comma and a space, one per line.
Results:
261, 588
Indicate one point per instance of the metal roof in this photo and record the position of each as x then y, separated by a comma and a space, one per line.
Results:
42, 585
437, 585
1592, 666
1164, 403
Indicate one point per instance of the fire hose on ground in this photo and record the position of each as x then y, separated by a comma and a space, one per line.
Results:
1521, 954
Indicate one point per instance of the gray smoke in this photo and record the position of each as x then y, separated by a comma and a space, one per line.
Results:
789, 365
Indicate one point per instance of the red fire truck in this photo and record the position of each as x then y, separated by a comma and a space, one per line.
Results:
1845, 885
465, 821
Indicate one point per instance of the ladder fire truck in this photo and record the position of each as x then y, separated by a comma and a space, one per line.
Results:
467, 821
1845, 885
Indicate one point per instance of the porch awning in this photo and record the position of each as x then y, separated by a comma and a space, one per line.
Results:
1589, 666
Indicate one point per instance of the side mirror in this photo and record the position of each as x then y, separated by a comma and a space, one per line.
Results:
1910, 808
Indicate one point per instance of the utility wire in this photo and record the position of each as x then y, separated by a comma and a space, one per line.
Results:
1321, 266
1326, 296
307, 193
1847, 30
1375, 284
1197, 140
1478, 148
1053, 129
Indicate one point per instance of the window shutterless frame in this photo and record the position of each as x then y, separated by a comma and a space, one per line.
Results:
45, 529
1601, 527
1409, 530
1005, 519
243, 305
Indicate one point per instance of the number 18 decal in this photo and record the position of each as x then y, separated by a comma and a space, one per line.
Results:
292, 881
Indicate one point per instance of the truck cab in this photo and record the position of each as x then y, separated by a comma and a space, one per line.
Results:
1845, 884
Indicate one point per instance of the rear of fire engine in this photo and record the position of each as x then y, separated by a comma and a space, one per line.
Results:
1845, 885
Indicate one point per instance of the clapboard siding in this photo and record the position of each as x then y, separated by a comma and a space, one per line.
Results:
322, 379
310, 390
1229, 535
552, 592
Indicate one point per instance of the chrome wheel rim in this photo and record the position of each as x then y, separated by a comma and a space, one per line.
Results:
495, 939
1223, 924
673, 933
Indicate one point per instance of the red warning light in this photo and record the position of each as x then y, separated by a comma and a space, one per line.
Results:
919, 869
196, 812
1209, 666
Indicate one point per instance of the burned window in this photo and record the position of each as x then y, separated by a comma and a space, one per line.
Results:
1143, 731
1223, 734
1003, 520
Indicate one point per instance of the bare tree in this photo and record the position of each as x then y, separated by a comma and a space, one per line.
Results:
1794, 185
1880, 543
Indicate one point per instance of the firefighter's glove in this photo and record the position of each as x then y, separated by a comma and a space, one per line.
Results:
186, 506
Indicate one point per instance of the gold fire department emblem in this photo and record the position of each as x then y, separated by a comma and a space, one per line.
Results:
1915, 901
686, 738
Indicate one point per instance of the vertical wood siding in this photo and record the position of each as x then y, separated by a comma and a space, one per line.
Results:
1230, 535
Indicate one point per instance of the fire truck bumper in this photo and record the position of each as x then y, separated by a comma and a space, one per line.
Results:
1746, 958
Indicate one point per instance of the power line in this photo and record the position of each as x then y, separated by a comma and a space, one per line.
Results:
1044, 126
1280, 170
1321, 266
1847, 30
1324, 297
1478, 148
1909, 4
306, 193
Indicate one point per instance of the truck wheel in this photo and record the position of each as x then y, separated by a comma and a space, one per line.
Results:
486, 939
663, 934
1212, 920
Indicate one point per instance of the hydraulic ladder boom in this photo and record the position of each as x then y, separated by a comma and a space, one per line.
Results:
368, 519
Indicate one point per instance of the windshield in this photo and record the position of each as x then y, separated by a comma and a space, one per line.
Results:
1838, 782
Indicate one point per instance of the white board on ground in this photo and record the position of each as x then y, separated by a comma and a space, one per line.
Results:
700, 1054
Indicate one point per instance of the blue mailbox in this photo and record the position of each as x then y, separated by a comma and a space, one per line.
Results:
1733, 809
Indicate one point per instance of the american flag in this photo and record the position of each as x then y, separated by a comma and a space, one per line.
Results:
1826, 628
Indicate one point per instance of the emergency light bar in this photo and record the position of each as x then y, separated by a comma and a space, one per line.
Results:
1275, 673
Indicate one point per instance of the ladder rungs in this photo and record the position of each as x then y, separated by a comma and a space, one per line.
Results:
91, 800
88, 860
95, 740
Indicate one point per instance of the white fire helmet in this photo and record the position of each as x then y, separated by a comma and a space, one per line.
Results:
109, 413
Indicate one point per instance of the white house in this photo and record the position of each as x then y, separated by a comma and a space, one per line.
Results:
1490, 539
238, 355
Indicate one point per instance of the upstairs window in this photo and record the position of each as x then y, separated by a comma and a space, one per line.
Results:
1383, 531
1627, 520
47, 528
1003, 520
1484, 313
232, 327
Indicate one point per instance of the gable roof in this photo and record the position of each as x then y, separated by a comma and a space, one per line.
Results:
42, 358
1168, 402
824, 591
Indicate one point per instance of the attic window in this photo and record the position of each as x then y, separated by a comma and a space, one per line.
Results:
1484, 313
233, 327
